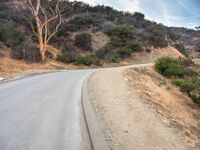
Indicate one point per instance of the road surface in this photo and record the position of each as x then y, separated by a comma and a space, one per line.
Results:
44, 112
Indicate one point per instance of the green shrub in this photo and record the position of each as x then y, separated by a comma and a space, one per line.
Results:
190, 87
134, 45
67, 57
169, 66
122, 31
85, 21
113, 57
157, 40
125, 52
157, 36
188, 78
196, 98
121, 35
109, 53
118, 42
104, 51
84, 60
101, 53
84, 41
81, 22
185, 85
10, 35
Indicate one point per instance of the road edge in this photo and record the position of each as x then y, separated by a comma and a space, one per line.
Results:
96, 135
29, 75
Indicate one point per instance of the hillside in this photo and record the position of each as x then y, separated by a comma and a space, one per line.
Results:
98, 35
137, 83
137, 108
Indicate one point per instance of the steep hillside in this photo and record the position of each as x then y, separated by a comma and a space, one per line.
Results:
16, 4
93, 35
189, 39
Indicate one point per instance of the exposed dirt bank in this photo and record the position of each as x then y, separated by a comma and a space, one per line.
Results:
129, 121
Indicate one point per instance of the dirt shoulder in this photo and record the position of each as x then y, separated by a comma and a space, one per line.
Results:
129, 121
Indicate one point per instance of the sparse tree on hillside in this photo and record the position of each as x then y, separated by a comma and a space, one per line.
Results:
46, 24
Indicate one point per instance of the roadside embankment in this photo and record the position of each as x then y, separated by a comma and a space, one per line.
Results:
128, 121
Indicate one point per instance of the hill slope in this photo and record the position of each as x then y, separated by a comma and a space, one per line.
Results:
93, 35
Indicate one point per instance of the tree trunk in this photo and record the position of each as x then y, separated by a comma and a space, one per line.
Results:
42, 24
42, 48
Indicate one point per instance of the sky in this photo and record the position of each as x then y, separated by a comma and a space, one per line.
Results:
179, 13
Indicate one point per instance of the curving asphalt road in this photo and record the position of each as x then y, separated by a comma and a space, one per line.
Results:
44, 112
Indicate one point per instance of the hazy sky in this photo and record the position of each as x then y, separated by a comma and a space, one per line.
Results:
185, 13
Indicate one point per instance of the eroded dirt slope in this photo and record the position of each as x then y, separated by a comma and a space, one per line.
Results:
129, 121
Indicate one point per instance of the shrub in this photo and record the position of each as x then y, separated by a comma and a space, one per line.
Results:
190, 87
157, 41
108, 26
80, 23
181, 49
123, 31
121, 35
134, 45
26, 51
118, 42
185, 85
169, 66
10, 35
85, 21
108, 53
104, 51
101, 53
67, 57
84, 41
84, 60
139, 16
190, 84
113, 57
173, 36
157, 36
198, 47
97, 61
125, 52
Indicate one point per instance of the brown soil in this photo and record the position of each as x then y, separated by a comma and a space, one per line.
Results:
175, 107
129, 121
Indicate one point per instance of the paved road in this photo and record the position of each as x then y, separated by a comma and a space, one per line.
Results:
44, 112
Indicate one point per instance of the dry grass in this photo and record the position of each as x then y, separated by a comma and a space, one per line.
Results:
144, 57
10, 67
174, 105
197, 61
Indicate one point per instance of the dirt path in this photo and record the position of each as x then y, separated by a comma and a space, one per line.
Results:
129, 122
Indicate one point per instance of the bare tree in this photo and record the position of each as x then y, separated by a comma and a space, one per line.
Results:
46, 24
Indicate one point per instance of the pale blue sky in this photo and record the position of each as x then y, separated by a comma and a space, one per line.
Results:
181, 13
